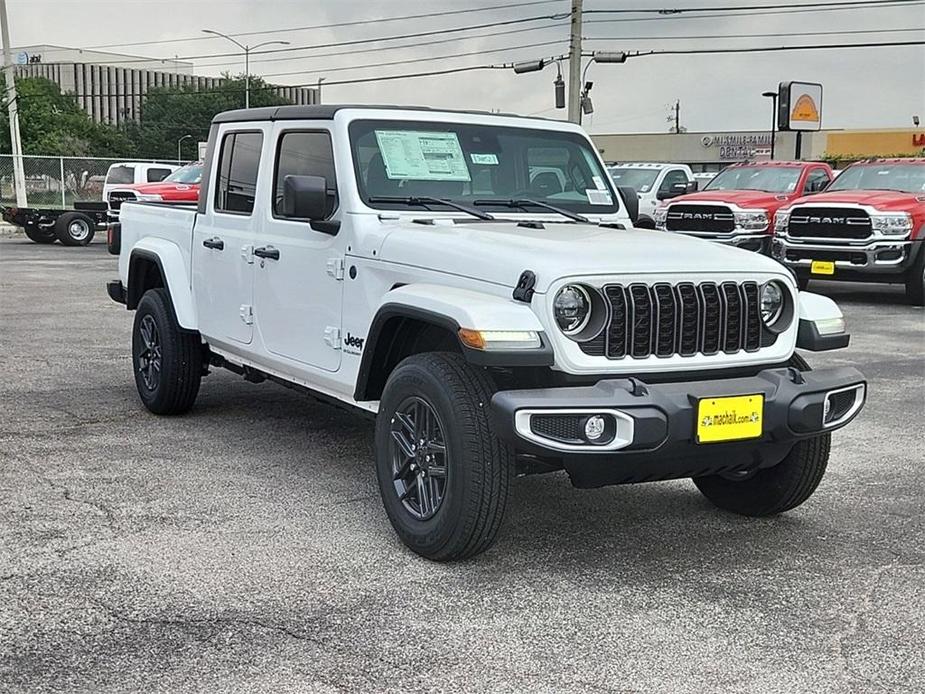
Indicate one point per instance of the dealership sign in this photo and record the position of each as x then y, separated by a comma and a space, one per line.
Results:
738, 146
799, 106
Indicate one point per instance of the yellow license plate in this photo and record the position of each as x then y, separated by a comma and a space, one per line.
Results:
822, 267
730, 419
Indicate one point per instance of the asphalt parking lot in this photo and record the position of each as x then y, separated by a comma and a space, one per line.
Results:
244, 547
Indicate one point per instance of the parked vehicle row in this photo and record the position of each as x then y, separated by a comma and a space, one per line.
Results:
474, 282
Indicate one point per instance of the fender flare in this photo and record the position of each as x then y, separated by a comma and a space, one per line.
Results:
813, 308
169, 260
452, 309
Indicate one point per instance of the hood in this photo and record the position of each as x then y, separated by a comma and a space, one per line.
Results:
885, 200
742, 198
499, 252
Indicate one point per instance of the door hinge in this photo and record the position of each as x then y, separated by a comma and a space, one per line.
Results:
247, 314
247, 252
332, 337
336, 268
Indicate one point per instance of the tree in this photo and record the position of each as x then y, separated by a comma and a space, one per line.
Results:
52, 123
169, 113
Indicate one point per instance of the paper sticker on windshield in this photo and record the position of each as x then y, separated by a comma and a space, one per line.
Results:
599, 183
422, 156
490, 159
599, 197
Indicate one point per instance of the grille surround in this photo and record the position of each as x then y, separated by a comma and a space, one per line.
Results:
684, 319
823, 222
117, 197
706, 219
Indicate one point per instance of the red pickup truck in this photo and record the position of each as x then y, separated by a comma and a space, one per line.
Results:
180, 186
737, 207
868, 226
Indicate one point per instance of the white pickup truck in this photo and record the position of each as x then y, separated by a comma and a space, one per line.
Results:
418, 266
654, 183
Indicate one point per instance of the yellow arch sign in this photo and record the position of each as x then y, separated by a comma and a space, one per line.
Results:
805, 110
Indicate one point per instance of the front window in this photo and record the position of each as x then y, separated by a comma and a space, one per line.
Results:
640, 180
770, 179
904, 178
191, 173
476, 164
120, 174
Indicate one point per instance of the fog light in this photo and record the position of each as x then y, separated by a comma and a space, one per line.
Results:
595, 426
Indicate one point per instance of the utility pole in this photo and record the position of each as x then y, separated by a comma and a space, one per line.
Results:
677, 116
19, 174
574, 65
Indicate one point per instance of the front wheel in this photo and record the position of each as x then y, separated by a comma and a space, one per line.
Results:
443, 475
773, 490
38, 234
75, 229
167, 360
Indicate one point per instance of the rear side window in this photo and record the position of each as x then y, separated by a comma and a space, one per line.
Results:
238, 164
305, 154
120, 174
158, 175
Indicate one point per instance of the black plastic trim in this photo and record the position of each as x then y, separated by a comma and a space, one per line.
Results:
808, 337
116, 291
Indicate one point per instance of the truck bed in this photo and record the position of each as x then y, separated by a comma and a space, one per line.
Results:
158, 223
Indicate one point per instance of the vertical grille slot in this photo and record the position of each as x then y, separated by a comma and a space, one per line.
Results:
642, 324
685, 319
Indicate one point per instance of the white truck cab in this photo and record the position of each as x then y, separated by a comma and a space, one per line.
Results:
653, 183
473, 281
135, 172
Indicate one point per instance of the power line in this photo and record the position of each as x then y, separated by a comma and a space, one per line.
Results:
773, 49
380, 20
749, 36
750, 8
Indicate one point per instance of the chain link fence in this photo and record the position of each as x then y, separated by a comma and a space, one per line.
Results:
59, 182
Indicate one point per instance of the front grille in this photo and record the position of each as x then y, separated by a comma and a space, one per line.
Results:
840, 404
117, 198
716, 219
665, 320
829, 223
558, 427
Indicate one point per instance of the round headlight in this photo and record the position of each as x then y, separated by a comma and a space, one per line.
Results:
572, 308
772, 303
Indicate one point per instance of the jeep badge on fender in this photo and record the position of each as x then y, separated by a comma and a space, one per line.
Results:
500, 308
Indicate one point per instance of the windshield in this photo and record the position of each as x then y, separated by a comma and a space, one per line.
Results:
907, 178
640, 180
191, 173
477, 162
770, 179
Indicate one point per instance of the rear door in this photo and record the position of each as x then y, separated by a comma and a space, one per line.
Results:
298, 292
223, 239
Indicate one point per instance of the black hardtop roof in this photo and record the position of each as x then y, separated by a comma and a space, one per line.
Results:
327, 111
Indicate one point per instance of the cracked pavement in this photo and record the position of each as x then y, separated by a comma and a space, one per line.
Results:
244, 548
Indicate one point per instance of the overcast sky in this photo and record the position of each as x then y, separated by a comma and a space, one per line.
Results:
864, 88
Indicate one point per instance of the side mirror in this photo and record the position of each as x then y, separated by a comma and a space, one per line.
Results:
693, 186
673, 192
631, 201
305, 197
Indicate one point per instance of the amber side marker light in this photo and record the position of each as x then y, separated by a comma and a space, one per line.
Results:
488, 340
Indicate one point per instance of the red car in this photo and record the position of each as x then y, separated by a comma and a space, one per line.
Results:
737, 207
868, 226
180, 186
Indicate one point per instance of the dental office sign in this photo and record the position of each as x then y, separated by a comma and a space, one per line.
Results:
799, 106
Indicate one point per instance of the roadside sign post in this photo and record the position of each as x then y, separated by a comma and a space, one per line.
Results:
799, 109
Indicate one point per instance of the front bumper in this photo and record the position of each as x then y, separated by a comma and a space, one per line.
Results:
750, 241
656, 423
880, 259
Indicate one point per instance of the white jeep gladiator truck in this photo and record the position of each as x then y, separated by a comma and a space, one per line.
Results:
412, 265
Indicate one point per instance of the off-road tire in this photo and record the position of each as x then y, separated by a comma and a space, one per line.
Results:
75, 229
38, 234
777, 489
915, 281
180, 357
479, 466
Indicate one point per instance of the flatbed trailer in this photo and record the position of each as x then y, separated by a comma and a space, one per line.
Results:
74, 227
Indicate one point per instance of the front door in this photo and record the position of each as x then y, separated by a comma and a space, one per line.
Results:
223, 240
299, 281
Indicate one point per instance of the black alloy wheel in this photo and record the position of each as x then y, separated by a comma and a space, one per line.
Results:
149, 353
418, 453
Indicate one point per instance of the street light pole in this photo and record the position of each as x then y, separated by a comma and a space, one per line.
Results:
19, 173
773, 97
179, 150
247, 59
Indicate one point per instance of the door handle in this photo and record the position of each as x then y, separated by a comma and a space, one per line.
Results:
215, 242
267, 252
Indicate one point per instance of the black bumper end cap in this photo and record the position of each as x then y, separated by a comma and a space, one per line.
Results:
808, 338
116, 291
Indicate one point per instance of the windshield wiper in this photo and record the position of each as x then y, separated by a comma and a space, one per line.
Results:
425, 200
524, 203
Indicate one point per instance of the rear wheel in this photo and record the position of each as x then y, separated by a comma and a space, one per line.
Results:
40, 234
75, 229
915, 282
167, 360
443, 475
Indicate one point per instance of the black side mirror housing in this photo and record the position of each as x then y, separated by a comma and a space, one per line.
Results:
693, 186
305, 197
631, 201
673, 192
